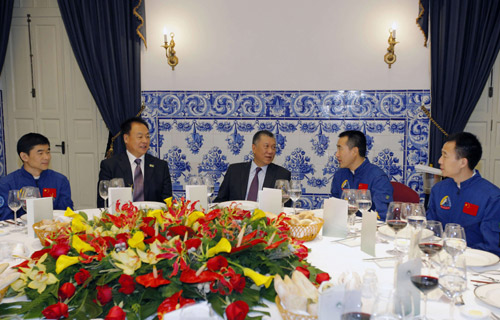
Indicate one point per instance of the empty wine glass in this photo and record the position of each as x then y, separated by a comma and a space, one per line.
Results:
426, 281
295, 193
388, 305
454, 240
284, 185
350, 195
209, 182
117, 183
364, 199
453, 279
396, 219
14, 203
28, 192
195, 180
103, 191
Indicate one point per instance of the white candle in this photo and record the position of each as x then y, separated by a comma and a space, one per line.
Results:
394, 33
165, 39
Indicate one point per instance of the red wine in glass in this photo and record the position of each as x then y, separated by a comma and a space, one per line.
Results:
430, 248
355, 316
425, 283
396, 225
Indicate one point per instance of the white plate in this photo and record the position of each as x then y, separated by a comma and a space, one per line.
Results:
475, 312
403, 234
149, 205
489, 294
4, 232
243, 204
480, 258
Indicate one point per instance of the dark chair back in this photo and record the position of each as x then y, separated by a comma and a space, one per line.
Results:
403, 193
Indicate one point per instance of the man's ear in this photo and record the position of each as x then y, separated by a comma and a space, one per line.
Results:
24, 156
355, 150
464, 163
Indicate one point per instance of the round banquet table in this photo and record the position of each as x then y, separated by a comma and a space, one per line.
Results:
331, 257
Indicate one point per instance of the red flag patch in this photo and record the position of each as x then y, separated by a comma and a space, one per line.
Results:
49, 192
470, 208
362, 186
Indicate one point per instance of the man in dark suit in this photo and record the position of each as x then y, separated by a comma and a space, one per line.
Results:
241, 181
148, 175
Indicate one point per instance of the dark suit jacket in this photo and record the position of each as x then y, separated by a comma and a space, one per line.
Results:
157, 183
234, 185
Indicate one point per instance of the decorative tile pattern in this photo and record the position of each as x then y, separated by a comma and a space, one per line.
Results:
203, 132
3, 167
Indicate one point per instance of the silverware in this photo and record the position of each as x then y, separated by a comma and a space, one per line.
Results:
380, 258
346, 238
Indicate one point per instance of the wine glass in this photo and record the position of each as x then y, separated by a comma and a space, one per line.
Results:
396, 219
195, 180
209, 182
454, 240
14, 203
284, 185
426, 281
350, 195
28, 192
388, 306
416, 215
432, 245
295, 192
453, 279
364, 199
117, 183
103, 191
353, 307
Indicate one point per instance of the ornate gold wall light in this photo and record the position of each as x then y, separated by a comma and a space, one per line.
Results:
390, 57
170, 52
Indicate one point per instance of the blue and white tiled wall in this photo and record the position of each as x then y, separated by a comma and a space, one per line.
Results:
203, 132
2, 139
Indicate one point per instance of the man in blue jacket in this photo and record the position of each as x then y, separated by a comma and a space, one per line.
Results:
466, 198
356, 172
34, 151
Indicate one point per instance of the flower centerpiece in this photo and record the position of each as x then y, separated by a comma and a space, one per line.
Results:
141, 263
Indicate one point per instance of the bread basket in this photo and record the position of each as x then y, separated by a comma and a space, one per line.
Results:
306, 232
44, 234
288, 315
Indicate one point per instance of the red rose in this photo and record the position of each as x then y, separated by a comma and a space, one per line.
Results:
304, 270
320, 277
66, 291
116, 313
81, 276
59, 249
238, 282
56, 311
104, 294
237, 310
216, 263
127, 283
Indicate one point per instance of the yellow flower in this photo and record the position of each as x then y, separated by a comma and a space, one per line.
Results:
258, 278
158, 214
193, 217
78, 224
127, 260
65, 261
258, 214
137, 241
222, 246
168, 201
151, 255
70, 213
40, 279
80, 245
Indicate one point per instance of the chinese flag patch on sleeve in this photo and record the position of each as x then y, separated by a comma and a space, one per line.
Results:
470, 208
49, 192
363, 186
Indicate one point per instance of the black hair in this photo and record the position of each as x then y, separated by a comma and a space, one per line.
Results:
467, 146
127, 125
355, 139
29, 141
260, 133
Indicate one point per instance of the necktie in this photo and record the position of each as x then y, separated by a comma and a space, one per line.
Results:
254, 187
138, 182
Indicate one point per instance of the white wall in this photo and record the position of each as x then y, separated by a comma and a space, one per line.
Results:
284, 45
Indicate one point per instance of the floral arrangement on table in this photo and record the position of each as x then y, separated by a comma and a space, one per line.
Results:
141, 263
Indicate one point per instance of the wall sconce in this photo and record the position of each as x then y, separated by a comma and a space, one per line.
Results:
169, 48
390, 57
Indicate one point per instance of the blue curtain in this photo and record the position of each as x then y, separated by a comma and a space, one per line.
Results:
106, 45
465, 40
6, 7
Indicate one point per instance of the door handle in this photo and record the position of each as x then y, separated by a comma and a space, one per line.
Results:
63, 147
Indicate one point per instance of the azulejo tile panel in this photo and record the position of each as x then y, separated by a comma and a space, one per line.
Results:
2, 139
202, 132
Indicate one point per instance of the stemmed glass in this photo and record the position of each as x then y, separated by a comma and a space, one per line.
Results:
454, 240
350, 195
284, 185
103, 191
195, 180
388, 305
453, 279
416, 215
117, 183
364, 199
14, 203
209, 182
432, 245
295, 192
28, 192
396, 219
426, 281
